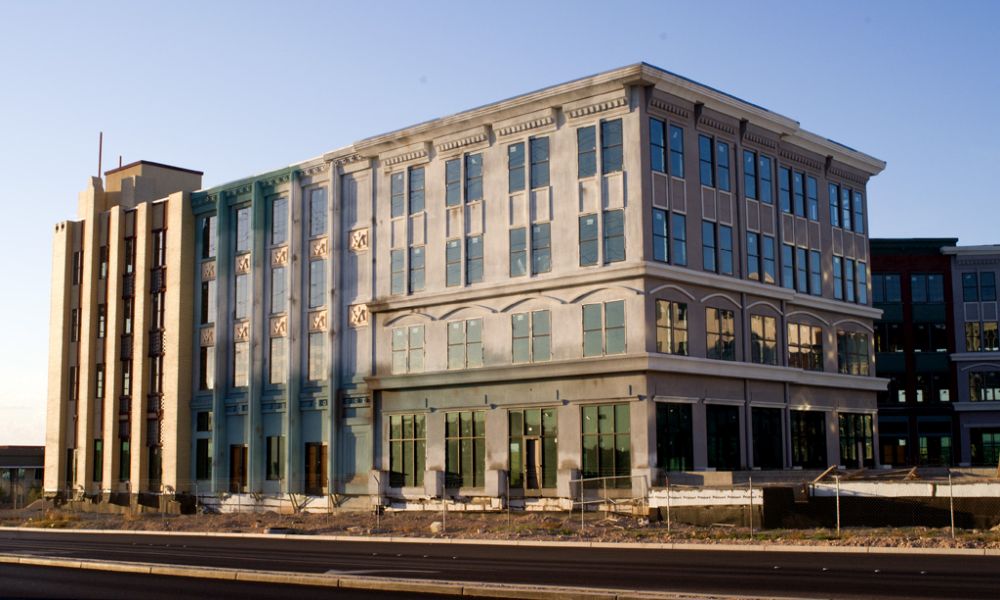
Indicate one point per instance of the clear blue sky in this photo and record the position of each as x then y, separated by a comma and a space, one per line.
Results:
235, 88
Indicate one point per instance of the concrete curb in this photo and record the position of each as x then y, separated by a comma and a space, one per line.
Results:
541, 543
388, 584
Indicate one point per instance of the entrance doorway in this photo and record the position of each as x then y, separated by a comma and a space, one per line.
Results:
237, 468
315, 468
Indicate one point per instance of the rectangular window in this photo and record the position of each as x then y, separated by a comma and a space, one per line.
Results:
206, 368
812, 198
838, 278
397, 194
678, 231
276, 374
102, 267
203, 459
801, 270
970, 287
815, 273
273, 457
708, 246
849, 280
604, 333
588, 240
317, 212
725, 249
531, 336
991, 342
242, 308
766, 182
859, 213
241, 364
862, 283
102, 320
805, 347
834, 191
397, 273
98, 460
208, 302
657, 146
408, 349
124, 463
808, 429
539, 148
722, 430
518, 251
973, 340
473, 177
77, 267
208, 237
74, 325
533, 448
453, 182
768, 434
278, 290
541, 248
857, 442
768, 259
705, 161
750, 174
474, 259
465, 449
852, 353
984, 386
515, 167
720, 339
586, 151
99, 382
416, 269
453, 263
317, 357
785, 189
676, 151
407, 450
987, 286
763, 340
788, 266
279, 221
465, 344
243, 229
753, 256
203, 421
674, 437
317, 283
614, 236
611, 146
671, 327
660, 239
606, 441
798, 193
416, 190
845, 208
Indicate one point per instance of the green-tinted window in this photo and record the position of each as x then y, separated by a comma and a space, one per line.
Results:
607, 443
465, 449
407, 446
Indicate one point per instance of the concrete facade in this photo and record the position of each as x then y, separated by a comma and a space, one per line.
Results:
478, 305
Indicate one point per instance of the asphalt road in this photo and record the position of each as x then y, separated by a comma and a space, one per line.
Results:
18, 581
797, 574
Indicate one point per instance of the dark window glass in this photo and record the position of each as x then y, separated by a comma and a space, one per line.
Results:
453, 262
935, 287
849, 280
838, 278
815, 273
722, 165
750, 174
515, 167
753, 256
474, 259
788, 266
862, 283
918, 288
518, 251
473, 177
768, 257
859, 213
678, 231
766, 184
812, 198
586, 148
588, 240
893, 289
614, 236
676, 151
657, 146
416, 189
722, 429
785, 189
708, 246
705, 161
317, 212
539, 162
660, 239
279, 220
801, 271
845, 208
798, 193
416, 269
720, 328
987, 286
541, 248
453, 182
397, 282
725, 250
675, 437
970, 287
834, 205
611, 146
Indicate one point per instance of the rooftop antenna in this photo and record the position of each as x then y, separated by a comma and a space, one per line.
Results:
100, 152
119, 161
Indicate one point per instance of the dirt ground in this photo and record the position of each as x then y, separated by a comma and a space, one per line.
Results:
496, 526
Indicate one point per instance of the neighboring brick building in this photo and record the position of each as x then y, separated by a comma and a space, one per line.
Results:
618, 276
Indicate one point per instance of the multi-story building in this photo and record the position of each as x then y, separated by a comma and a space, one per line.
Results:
914, 339
976, 359
620, 276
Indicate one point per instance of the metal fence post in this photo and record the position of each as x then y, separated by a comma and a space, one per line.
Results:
837, 478
951, 503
